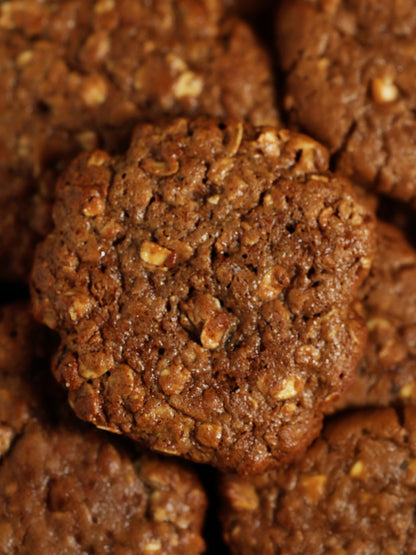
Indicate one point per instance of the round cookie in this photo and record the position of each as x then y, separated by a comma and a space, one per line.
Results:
388, 371
76, 74
353, 492
351, 83
202, 286
67, 488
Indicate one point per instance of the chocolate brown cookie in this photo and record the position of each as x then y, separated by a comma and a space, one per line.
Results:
76, 74
67, 488
351, 83
353, 492
202, 286
388, 371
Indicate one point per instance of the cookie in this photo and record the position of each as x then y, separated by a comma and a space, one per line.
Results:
350, 82
76, 74
353, 492
202, 286
67, 488
388, 371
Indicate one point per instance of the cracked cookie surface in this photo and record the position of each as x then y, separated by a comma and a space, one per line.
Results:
202, 285
351, 84
67, 488
352, 492
76, 74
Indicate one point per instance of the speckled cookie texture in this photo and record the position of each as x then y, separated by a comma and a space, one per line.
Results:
351, 83
388, 371
67, 488
76, 74
353, 492
202, 286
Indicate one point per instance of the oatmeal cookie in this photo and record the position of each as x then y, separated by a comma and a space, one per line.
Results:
67, 488
76, 74
351, 83
353, 492
202, 286
388, 371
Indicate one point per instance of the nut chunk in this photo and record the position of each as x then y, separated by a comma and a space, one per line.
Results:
213, 330
352, 492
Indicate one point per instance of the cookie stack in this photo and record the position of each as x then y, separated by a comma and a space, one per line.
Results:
218, 285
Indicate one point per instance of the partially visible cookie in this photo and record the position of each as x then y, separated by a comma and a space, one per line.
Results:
353, 492
388, 371
202, 285
67, 488
77, 74
351, 83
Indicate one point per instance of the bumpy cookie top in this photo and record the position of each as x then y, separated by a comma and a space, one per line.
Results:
66, 488
202, 286
388, 371
353, 492
76, 74
351, 82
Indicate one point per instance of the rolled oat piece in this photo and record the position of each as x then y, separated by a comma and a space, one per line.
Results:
68, 488
353, 492
351, 83
77, 74
202, 285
